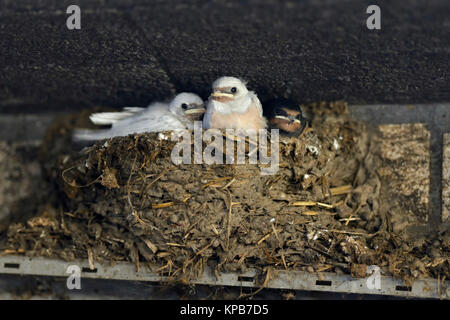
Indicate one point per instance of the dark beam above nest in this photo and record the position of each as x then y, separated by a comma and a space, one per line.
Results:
133, 52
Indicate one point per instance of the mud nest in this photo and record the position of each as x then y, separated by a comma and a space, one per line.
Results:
123, 199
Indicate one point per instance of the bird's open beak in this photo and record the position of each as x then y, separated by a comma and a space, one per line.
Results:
289, 118
222, 96
195, 111
282, 117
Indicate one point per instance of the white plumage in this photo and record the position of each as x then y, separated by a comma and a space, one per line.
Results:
105, 118
157, 117
232, 106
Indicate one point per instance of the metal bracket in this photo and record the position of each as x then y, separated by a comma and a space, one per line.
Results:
280, 279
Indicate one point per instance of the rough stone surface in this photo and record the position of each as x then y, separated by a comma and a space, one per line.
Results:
446, 178
405, 151
131, 52
48, 66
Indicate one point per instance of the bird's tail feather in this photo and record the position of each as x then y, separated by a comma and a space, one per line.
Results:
133, 109
80, 135
104, 118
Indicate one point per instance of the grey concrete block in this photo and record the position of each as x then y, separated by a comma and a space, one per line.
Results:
405, 172
446, 178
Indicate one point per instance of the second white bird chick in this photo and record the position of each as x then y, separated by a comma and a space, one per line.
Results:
181, 113
232, 106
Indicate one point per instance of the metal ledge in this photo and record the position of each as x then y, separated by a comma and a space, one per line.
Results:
280, 279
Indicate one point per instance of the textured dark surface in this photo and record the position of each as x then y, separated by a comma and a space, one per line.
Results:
131, 52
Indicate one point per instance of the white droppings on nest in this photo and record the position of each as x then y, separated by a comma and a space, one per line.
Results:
105, 145
340, 138
65, 159
272, 220
313, 235
282, 195
162, 136
306, 176
313, 149
335, 144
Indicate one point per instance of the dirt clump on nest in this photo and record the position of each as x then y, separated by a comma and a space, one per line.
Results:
123, 199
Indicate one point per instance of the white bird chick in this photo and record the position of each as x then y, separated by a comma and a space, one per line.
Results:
188, 107
232, 106
180, 113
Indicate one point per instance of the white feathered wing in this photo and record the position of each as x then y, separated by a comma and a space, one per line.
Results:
155, 118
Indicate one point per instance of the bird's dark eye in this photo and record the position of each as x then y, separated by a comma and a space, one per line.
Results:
233, 90
184, 106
